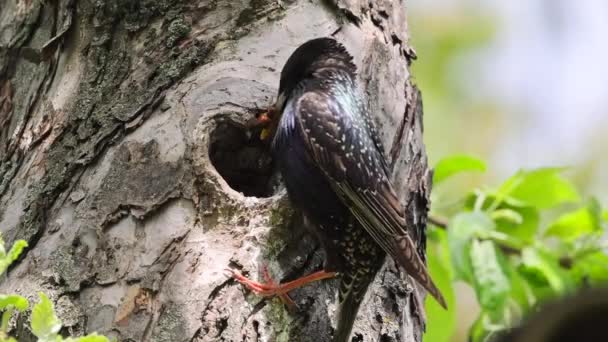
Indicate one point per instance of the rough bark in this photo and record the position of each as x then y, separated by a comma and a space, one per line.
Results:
125, 164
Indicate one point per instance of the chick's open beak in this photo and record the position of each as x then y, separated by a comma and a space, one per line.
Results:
264, 118
267, 120
264, 121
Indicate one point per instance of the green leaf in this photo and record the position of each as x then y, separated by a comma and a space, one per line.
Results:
509, 215
514, 217
45, 324
521, 293
461, 230
6, 317
491, 281
12, 255
592, 268
17, 249
542, 188
526, 230
8, 303
502, 239
477, 333
575, 224
18, 302
440, 323
484, 330
450, 166
541, 268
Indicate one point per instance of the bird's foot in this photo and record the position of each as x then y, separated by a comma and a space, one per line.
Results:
272, 288
269, 289
285, 299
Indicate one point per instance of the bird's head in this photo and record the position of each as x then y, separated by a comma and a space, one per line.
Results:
304, 63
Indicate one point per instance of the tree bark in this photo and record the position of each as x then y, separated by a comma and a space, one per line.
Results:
126, 166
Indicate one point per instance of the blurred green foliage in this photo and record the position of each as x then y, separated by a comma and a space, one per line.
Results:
503, 243
467, 122
530, 238
455, 164
45, 324
442, 323
439, 41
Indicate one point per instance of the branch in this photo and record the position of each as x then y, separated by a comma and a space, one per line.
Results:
439, 221
442, 223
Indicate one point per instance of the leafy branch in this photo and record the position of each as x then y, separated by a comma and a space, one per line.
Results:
507, 246
45, 324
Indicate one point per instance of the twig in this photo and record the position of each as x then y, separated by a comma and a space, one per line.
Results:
442, 223
438, 221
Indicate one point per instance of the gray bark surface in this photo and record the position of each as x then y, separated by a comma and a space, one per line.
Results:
113, 118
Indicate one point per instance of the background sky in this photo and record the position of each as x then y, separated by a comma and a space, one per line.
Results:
521, 84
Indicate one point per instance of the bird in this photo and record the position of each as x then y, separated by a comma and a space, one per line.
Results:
332, 161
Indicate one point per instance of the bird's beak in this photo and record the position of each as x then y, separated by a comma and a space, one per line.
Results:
264, 123
269, 120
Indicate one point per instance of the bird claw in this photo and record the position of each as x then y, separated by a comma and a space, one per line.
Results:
284, 297
270, 289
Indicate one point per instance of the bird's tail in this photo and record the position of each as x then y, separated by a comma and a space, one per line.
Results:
352, 291
415, 267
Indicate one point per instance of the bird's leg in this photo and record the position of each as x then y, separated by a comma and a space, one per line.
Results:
271, 288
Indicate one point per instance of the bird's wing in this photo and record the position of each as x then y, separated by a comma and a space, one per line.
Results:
338, 140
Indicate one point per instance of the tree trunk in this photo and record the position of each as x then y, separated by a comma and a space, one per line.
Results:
126, 166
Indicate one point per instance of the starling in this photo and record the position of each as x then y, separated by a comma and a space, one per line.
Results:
334, 168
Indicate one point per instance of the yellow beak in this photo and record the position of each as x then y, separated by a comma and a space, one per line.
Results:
264, 134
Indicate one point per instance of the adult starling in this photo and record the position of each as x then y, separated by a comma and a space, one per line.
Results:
333, 165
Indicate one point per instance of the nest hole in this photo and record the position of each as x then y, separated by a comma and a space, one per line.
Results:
242, 159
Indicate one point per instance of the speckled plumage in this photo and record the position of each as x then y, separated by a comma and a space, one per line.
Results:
335, 171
